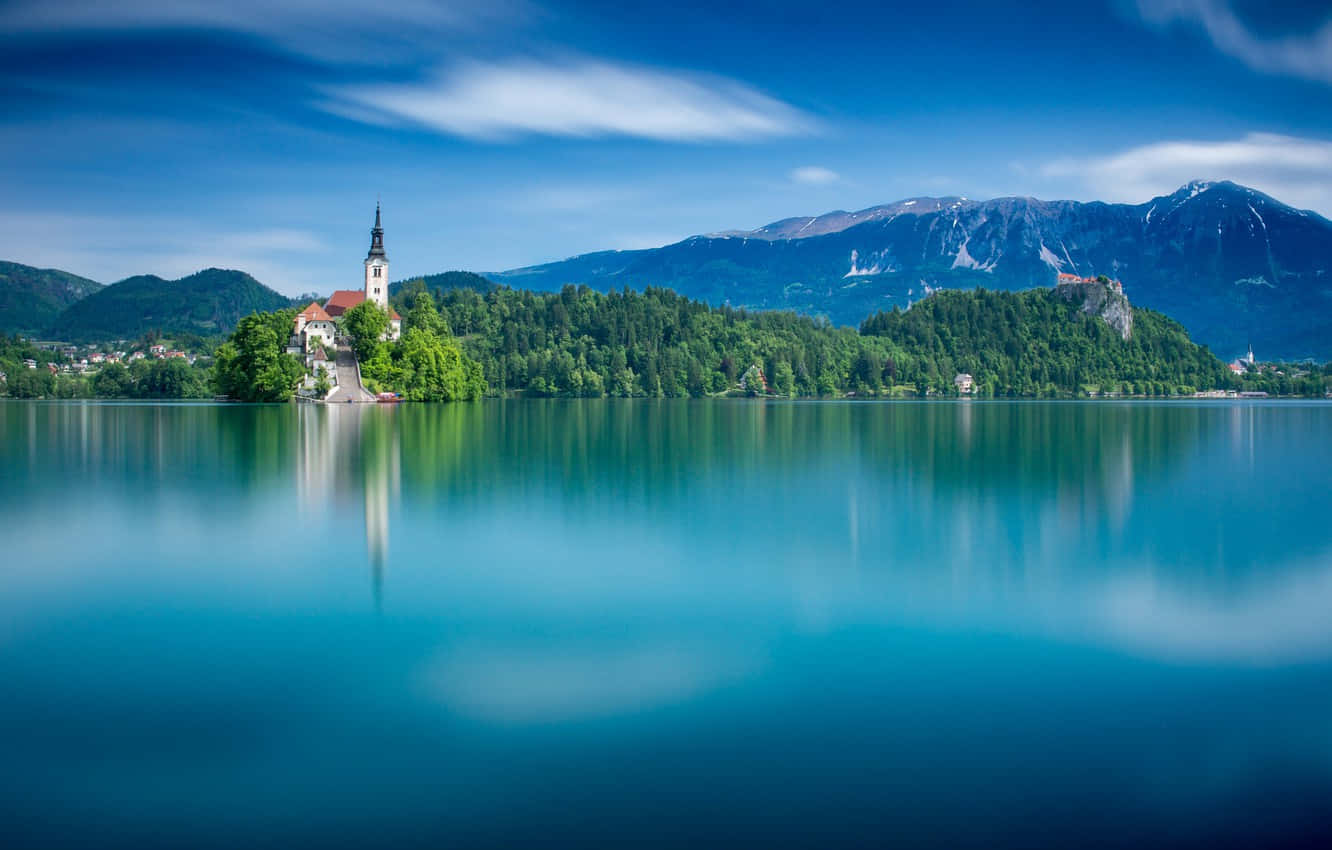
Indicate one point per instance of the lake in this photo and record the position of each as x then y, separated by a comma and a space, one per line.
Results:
657, 623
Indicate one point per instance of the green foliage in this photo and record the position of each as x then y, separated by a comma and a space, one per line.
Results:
1035, 344
402, 295
31, 298
1302, 379
30, 383
579, 342
365, 324
207, 304
322, 384
427, 364
170, 377
252, 365
113, 381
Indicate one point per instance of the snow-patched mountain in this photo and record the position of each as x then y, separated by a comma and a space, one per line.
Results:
1232, 264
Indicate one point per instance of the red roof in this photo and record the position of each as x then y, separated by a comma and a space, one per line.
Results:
343, 300
315, 313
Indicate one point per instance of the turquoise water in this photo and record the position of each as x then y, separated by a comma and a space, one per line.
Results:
662, 623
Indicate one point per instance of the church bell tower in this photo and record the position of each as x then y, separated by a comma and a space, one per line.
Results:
376, 267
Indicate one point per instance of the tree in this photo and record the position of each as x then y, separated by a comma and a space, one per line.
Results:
367, 325
322, 384
423, 316
435, 369
114, 381
31, 383
252, 366
168, 378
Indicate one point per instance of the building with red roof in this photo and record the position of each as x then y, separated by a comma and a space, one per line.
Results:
313, 323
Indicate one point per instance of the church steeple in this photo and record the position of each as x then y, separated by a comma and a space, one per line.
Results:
376, 238
376, 266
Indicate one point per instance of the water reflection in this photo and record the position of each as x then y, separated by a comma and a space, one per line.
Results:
349, 452
977, 624
1084, 516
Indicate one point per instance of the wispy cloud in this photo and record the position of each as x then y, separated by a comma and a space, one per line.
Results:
322, 28
1308, 54
814, 175
579, 97
1295, 170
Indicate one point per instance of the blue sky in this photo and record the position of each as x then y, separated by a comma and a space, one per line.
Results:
165, 136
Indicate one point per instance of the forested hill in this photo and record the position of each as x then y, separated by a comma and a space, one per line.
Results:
438, 284
207, 303
580, 342
31, 298
1026, 343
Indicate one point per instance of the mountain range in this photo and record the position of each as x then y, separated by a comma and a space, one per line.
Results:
1233, 265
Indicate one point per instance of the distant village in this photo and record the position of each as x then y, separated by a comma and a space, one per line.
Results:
89, 358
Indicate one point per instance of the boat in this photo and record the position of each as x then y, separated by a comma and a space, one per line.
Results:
388, 398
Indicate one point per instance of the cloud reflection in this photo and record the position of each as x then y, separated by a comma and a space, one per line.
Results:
550, 684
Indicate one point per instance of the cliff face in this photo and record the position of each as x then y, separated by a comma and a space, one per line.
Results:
1101, 299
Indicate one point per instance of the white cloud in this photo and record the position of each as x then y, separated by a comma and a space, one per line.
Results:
815, 175
580, 98
322, 28
1307, 54
1294, 170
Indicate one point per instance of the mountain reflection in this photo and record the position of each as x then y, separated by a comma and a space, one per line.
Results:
1061, 511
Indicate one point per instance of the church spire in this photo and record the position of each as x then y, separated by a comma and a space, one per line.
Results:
376, 237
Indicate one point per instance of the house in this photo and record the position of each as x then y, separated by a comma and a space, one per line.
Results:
375, 288
30, 363
319, 362
99, 357
157, 350
966, 385
313, 323
754, 374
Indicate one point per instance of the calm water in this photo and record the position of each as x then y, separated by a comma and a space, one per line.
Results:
643, 623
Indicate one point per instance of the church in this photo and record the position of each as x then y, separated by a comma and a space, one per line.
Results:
317, 322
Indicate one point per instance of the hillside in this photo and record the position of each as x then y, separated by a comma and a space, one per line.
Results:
207, 303
32, 298
1231, 264
403, 291
580, 342
1041, 340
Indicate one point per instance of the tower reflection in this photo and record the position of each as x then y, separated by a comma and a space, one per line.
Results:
348, 453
